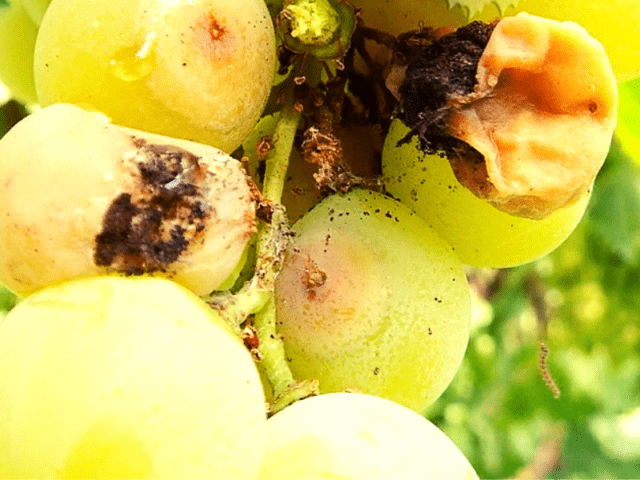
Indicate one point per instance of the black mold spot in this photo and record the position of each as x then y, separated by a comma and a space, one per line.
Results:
147, 230
441, 70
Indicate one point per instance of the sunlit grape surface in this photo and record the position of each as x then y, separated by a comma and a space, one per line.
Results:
498, 410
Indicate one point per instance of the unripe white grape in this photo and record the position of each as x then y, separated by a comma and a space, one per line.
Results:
17, 41
348, 435
371, 298
126, 378
481, 235
36, 9
83, 197
200, 70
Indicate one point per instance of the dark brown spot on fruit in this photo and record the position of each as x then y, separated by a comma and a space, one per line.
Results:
147, 230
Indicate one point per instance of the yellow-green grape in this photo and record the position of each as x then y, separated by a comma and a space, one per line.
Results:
481, 235
200, 70
350, 435
126, 378
614, 23
36, 9
401, 16
83, 197
371, 298
17, 40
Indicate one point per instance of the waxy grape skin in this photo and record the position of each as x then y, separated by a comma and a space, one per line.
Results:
84, 197
351, 435
197, 70
134, 377
481, 235
371, 298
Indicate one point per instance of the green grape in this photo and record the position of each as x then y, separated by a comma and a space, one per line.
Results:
614, 23
481, 235
371, 298
199, 70
36, 9
350, 435
18, 39
400, 16
126, 378
83, 197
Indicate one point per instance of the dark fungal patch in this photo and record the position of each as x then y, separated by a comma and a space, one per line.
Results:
148, 229
436, 73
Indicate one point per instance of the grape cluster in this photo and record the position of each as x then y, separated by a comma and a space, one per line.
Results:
173, 276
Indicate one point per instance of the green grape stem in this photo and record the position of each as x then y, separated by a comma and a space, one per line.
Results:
278, 159
256, 297
321, 28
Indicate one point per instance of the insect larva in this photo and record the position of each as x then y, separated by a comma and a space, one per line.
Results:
544, 371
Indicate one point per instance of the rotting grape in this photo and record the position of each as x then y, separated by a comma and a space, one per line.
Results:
600, 19
481, 235
525, 124
84, 197
371, 298
350, 435
18, 39
525, 111
115, 377
198, 70
613, 23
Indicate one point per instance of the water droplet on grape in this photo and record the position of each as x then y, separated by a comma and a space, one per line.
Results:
135, 62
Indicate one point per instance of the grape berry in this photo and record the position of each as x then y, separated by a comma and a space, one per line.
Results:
120, 360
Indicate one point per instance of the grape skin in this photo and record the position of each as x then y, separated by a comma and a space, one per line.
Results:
481, 235
198, 70
81, 167
348, 435
18, 39
600, 19
36, 9
613, 23
126, 378
391, 316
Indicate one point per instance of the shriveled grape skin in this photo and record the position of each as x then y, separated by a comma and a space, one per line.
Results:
198, 70
126, 378
481, 235
613, 23
371, 298
347, 435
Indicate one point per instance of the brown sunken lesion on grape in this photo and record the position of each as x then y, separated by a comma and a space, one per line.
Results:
523, 108
312, 278
148, 229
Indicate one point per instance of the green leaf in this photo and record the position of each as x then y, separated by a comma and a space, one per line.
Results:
7, 299
614, 213
628, 129
476, 6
